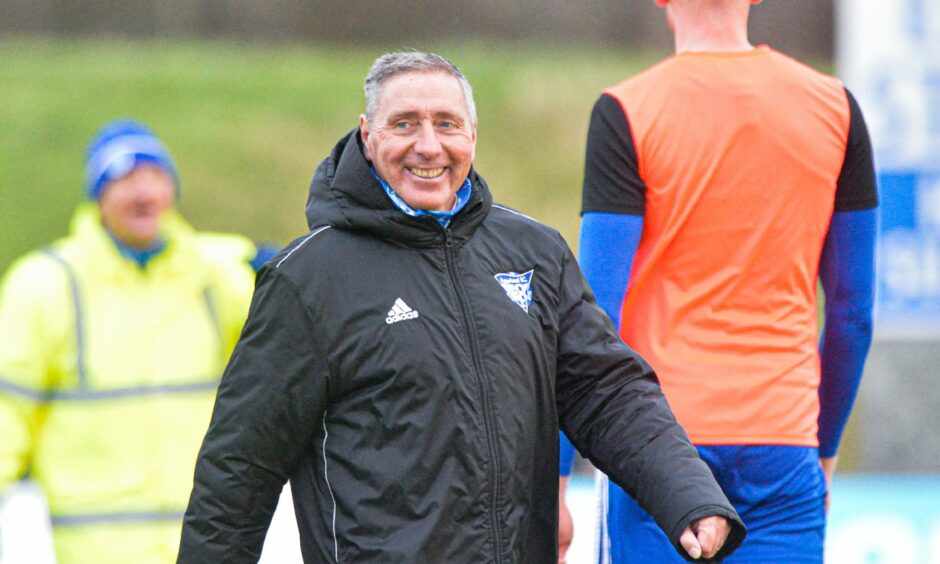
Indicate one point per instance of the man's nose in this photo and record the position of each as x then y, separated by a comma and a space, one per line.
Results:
428, 145
145, 188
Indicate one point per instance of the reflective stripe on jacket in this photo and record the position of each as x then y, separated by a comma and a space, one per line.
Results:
108, 374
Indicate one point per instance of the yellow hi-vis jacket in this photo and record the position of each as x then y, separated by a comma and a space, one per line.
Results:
108, 374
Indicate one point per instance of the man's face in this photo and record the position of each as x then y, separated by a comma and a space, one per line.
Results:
421, 140
131, 207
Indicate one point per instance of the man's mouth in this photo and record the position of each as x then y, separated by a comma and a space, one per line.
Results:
426, 172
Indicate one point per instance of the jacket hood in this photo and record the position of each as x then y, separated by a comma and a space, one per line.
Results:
345, 195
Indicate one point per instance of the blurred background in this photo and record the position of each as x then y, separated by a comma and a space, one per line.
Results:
249, 96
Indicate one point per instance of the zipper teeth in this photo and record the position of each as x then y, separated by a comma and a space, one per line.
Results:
484, 389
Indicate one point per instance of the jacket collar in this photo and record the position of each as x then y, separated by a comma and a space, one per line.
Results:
346, 195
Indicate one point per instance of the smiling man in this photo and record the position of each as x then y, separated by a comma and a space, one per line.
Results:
406, 365
423, 140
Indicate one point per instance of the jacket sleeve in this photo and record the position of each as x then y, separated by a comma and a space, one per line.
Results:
608, 245
611, 407
34, 314
270, 399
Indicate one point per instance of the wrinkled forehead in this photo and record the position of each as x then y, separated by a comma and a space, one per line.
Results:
420, 90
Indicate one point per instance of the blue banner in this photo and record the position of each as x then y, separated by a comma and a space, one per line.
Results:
908, 289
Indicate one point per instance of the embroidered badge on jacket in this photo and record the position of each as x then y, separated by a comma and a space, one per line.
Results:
518, 287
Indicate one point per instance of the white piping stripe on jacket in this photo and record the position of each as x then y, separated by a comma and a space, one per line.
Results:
326, 476
602, 536
302, 243
497, 206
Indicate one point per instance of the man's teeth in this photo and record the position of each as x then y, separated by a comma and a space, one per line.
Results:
427, 172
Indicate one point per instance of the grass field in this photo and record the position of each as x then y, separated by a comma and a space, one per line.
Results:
248, 123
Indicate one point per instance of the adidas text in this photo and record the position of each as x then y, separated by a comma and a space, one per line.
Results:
401, 317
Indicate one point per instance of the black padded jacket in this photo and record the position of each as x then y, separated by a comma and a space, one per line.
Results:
409, 381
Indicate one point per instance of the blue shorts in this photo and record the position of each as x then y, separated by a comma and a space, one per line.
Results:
779, 491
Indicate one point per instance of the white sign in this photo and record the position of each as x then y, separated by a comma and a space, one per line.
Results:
888, 54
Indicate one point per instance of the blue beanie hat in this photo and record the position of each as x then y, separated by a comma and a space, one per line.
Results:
120, 147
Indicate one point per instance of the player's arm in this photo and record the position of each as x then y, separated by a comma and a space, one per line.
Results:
613, 200
846, 271
270, 401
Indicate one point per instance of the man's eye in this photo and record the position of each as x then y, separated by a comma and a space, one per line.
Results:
402, 125
447, 124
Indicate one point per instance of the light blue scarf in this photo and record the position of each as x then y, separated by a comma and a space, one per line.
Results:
443, 217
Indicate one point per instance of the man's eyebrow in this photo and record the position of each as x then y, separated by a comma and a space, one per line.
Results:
449, 115
411, 114
395, 116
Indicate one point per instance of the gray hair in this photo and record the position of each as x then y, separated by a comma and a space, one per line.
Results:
401, 62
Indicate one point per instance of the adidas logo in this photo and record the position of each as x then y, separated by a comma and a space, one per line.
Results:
400, 312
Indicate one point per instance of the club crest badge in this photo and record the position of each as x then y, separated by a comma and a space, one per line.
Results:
518, 287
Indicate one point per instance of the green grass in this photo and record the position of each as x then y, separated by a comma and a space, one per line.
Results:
248, 123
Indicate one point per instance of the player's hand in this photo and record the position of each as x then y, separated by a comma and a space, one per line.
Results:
705, 537
565, 524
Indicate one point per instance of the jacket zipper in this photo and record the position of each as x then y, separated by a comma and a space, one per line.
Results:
488, 424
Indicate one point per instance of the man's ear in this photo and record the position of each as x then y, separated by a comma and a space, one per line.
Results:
364, 134
473, 139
